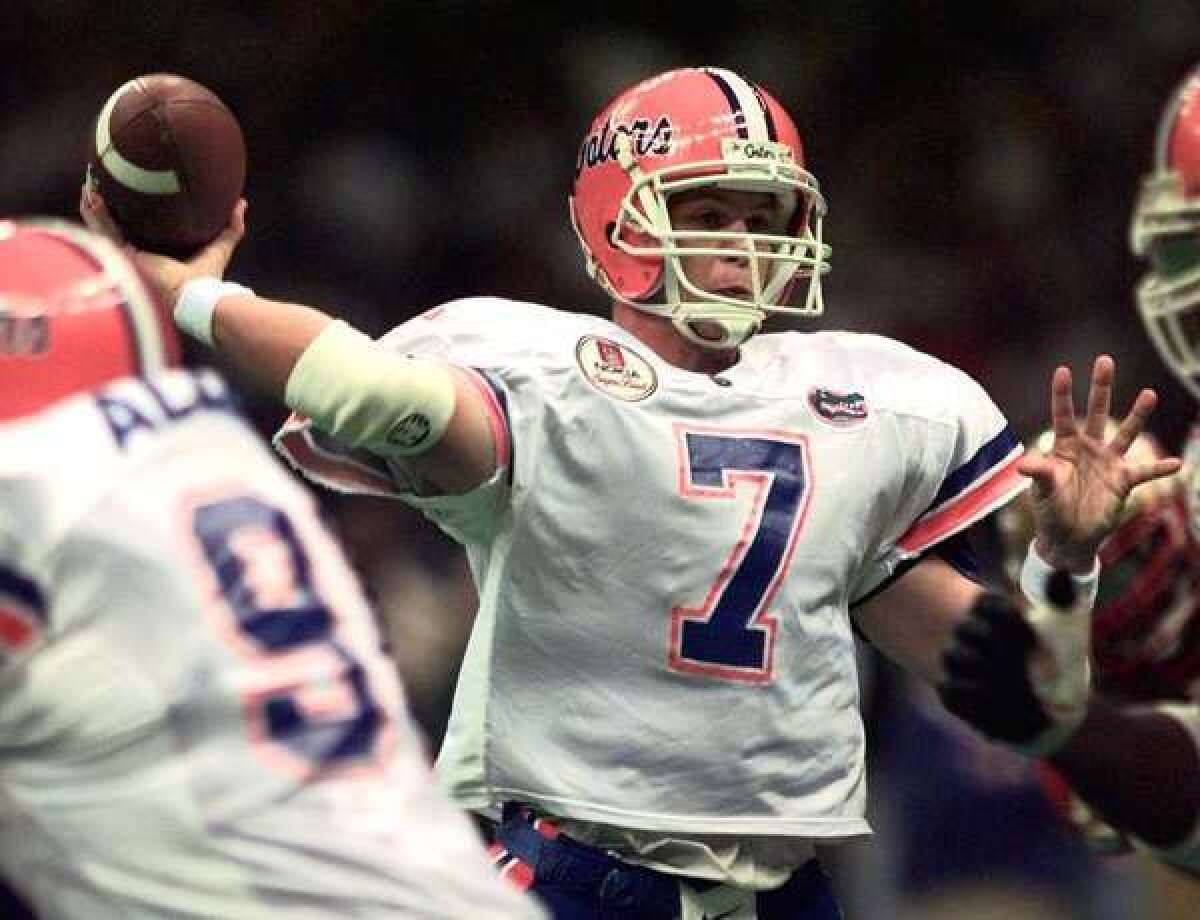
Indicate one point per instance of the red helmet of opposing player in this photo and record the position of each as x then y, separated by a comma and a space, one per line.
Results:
74, 314
683, 130
1145, 629
1166, 231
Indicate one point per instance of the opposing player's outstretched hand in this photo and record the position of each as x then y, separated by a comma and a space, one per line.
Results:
1080, 486
166, 274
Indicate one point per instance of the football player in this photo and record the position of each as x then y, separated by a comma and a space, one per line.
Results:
1145, 639
196, 719
1134, 758
671, 518
1145, 632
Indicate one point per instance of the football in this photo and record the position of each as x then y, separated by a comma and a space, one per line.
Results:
169, 159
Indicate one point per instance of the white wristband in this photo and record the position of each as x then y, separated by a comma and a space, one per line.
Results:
1060, 674
1035, 572
197, 303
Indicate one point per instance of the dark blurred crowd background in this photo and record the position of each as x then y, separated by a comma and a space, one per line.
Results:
980, 160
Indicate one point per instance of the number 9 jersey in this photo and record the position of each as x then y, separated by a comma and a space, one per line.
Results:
196, 719
666, 561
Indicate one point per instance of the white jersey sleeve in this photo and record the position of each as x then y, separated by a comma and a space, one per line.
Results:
961, 453
481, 338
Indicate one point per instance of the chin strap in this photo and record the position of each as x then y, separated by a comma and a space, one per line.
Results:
735, 329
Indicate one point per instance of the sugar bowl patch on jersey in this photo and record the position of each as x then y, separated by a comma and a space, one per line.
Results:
614, 369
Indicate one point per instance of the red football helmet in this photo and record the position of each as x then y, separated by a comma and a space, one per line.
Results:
1166, 230
682, 130
74, 314
1146, 624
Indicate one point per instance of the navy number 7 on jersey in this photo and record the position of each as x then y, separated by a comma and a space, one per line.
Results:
731, 635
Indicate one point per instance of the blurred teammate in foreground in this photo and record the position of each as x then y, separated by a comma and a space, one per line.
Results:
195, 716
671, 518
1134, 756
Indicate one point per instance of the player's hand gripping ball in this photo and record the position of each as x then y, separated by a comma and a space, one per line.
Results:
169, 159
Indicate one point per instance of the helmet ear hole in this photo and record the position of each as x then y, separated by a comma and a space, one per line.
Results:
631, 235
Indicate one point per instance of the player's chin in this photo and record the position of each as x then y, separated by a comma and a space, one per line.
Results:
707, 330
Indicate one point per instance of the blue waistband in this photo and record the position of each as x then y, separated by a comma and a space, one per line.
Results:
558, 860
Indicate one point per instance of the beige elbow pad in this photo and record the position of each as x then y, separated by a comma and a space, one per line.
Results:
367, 397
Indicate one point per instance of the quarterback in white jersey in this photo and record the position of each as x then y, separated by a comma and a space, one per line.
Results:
617, 636
669, 518
196, 719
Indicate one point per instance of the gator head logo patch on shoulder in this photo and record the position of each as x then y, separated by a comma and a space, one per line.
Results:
840, 409
615, 369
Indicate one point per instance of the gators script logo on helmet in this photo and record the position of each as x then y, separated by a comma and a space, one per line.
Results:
690, 129
74, 314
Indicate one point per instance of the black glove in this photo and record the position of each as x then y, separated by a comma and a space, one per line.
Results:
993, 681
986, 666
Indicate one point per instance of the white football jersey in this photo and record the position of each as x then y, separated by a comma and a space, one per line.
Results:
666, 561
196, 719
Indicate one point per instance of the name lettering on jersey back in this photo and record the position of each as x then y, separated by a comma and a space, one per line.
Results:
147, 407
